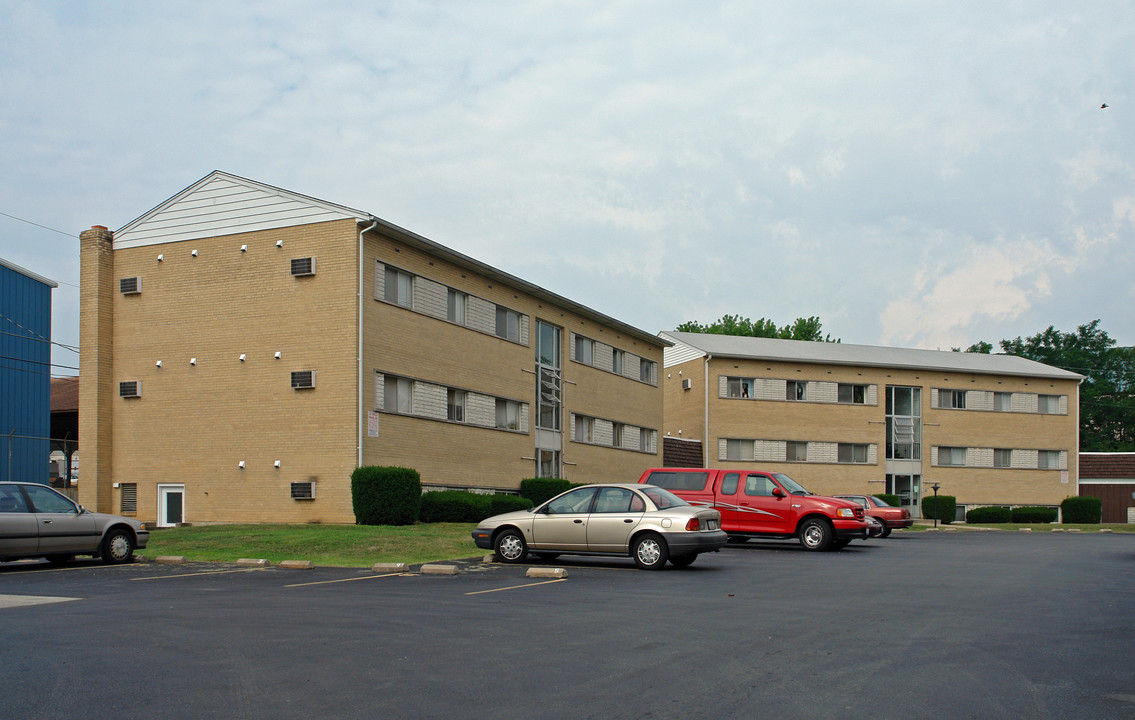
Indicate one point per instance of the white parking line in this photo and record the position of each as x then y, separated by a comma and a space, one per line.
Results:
516, 587
207, 572
329, 582
10, 601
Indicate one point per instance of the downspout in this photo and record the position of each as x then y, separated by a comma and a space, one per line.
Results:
359, 415
705, 415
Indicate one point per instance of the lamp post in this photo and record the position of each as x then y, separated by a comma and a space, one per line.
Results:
934, 487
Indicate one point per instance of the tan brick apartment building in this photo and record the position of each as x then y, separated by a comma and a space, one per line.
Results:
988, 429
246, 347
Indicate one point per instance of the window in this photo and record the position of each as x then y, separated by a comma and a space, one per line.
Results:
1048, 404
549, 391
644, 439
1002, 401
796, 451
851, 453
1048, 459
455, 405
616, 361
738, 449
398, 394
729, 484
508, 324
576, 501
455, 306
952, 399
740, 387
952, 456
1002, 458
548, 464
645, 370
852, 394
904, 423
759, 485
584, 428
796, 390
584, 347
399, 288
508, 417
617, 434
617, 500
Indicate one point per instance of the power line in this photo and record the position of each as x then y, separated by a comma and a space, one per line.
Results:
38, 337
29, 222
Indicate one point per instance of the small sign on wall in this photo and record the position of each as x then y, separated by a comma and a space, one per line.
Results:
372, 425
1064, 476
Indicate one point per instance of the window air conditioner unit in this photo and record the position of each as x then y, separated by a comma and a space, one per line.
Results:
303, 490
303, 267
130, 285
686, 384
303, 380
130, 389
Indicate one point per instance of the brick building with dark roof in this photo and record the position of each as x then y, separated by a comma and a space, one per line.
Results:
1111, 478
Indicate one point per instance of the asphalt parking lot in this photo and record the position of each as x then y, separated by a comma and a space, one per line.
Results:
926, 625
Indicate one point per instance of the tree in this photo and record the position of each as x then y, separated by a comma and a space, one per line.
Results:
1107, 395
802, 329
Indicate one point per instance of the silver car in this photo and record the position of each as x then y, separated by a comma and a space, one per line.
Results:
36, 521
647, 523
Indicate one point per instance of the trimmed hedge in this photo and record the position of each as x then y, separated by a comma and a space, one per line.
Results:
466, 507
386, 495
540, 489
892, 500
947, 508
1034, 515
989, 515
1082, 510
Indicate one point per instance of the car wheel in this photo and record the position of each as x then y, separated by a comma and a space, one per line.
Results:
650, 551
546, 557
886, 530
510, 546
815, 534
60, 559
683, 560
117, 547
838, 544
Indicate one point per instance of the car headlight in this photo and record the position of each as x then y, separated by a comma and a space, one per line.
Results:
845, 512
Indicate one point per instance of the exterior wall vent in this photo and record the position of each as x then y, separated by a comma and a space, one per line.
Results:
686, 384
303, 267
303, 380
303, 490
130, 389
130, 285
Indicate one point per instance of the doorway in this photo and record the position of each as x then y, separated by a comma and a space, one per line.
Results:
171, 505
907, 489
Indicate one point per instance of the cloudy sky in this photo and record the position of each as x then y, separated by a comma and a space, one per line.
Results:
917, 174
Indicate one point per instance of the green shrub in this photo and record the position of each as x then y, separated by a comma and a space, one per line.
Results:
892, 500
988, 515
540, 489
1034, 515
947, 508
507, 503
1088, 510
386, 495
456, 506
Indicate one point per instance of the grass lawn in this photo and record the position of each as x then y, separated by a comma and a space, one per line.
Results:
339, 545
1036, 527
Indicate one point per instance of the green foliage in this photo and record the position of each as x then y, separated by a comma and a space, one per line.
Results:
892, 500
801, 329
989, 515
1082, 510
386, 495
1034, 515
467, 507
540, 489
1107, 395
978, 347
947, 508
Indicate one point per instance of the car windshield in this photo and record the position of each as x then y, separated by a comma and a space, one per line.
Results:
662, 499
790, 485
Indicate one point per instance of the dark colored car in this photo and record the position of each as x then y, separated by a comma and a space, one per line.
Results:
36, 521
890, 516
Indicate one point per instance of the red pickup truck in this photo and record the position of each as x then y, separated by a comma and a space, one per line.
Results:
765, 505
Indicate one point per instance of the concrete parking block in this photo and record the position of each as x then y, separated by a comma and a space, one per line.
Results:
170, 559
389, 567
439, 570
541, 572
297, 564
253, 562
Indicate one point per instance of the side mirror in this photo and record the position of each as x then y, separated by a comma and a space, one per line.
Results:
778, 492
81, 509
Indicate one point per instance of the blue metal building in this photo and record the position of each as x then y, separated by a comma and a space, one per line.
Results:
25, 373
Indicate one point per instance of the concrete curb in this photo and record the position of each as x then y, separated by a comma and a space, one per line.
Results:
170, 560
539, 572
297, 564
389, 567
439, 570
252, 562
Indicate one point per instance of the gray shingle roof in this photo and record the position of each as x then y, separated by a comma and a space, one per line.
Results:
736, 346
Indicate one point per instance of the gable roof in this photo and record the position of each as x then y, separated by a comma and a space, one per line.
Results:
224, 204
1107, 466
692, 345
